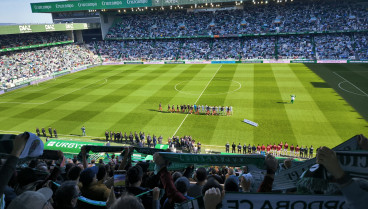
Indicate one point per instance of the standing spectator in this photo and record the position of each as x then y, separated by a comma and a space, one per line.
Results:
154, 141
55, 133
67, 195
33, 200
50, 132
199, 148
311, 151
83, 131
107, 135
305, 151
90, 187
195, 190
38, 132
134, 180
44, 132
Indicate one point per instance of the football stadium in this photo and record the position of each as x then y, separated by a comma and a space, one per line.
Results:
186, 104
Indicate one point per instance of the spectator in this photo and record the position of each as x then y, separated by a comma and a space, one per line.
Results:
195, 190
39, 199
134, 179
90, 187
66, 195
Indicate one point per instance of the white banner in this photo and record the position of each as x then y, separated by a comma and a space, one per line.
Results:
250, 122
287, 179
282, 201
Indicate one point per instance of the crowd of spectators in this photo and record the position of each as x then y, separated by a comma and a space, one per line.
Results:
16, 40
81, 183
195, 49
322, 46
361, 46
17, 66
259, 48
295, 47
334, 47
297, 16
138, 50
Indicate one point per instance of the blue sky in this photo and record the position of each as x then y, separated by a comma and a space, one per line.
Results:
19, 11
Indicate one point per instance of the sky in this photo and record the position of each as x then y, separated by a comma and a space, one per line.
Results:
19, 11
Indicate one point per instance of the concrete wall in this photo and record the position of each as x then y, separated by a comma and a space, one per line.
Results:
106, 22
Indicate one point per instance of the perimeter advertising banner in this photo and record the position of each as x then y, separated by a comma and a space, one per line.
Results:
39, 28
68, 146
62, 6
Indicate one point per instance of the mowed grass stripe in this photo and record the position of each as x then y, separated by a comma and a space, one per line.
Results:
116, 101
202, 127
307, 120
232, 129
269, 112
145, 117
345, 121
46, 115
66, 84
93, 114
20, 111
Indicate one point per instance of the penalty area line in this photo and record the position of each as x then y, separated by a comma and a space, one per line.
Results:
197, 99
351, 84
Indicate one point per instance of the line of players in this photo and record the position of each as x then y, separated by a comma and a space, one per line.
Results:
199, 109
274, 149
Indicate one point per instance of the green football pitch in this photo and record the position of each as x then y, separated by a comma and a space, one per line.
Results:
331, 103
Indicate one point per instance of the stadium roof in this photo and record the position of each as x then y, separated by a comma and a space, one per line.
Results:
67, 6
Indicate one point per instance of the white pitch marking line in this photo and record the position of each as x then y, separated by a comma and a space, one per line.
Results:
197, 99
352, 84
347, 90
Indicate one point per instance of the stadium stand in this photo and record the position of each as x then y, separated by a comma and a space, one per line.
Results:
252, 19
18, 66
327, 46
9, 41
49, 179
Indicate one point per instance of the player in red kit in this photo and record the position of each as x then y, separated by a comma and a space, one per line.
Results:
286, 148
274, 148
263, 149
268, 149
258, 149
297, 151
278, 150
292, 150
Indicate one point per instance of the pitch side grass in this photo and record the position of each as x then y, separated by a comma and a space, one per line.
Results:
126, 98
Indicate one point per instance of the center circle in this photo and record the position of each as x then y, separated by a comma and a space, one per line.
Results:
216, 87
